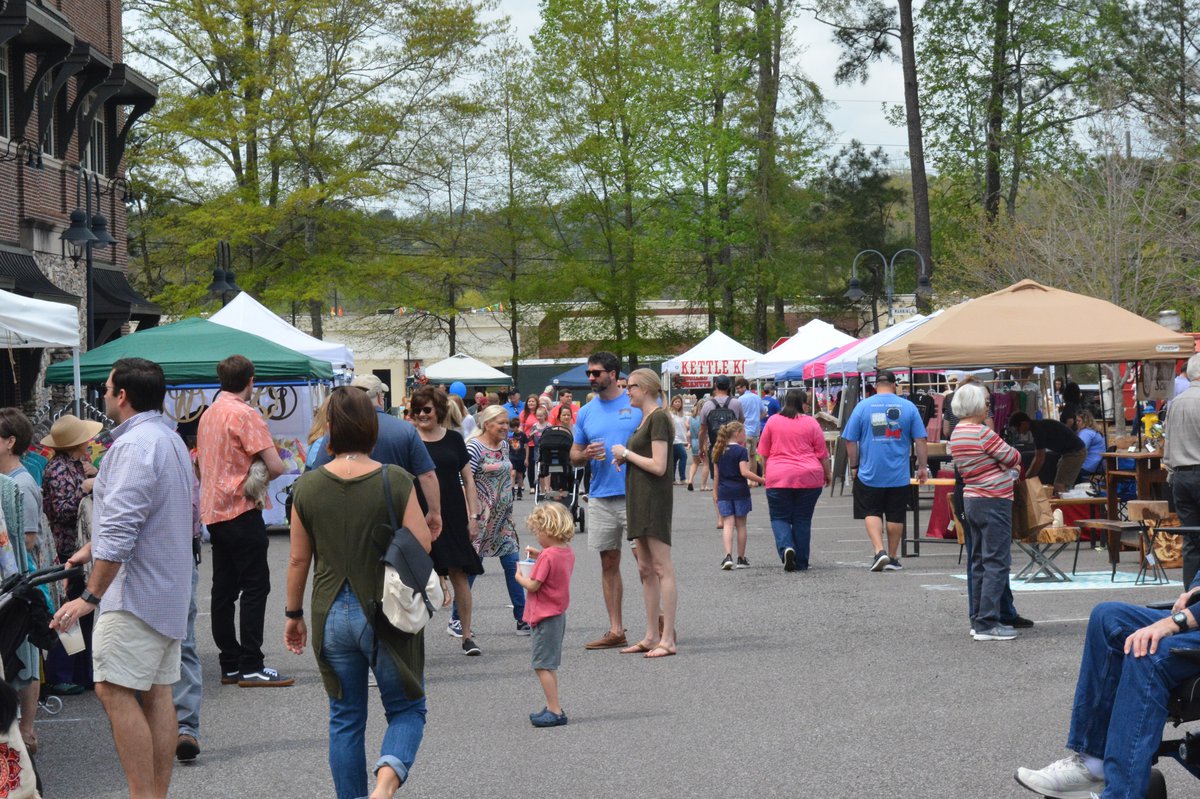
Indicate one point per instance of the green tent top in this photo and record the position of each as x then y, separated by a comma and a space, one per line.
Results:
189, 351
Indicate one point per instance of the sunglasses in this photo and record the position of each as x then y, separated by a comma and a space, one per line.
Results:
596, 372
428, 409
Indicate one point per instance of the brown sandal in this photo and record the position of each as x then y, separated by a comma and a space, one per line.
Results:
666, 652
636, 649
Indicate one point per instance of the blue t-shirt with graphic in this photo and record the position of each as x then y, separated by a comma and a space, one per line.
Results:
884, 427
614, 421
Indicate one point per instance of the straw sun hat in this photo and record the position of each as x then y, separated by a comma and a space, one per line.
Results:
69, 431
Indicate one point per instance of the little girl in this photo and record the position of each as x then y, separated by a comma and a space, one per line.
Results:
518, 451
548, 587
734, 476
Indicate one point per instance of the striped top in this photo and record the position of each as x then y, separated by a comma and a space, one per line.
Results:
984, 461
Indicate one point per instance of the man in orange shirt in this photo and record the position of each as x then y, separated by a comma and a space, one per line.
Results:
230, 436
564, 398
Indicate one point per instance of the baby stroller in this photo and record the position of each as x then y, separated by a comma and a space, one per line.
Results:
554, 465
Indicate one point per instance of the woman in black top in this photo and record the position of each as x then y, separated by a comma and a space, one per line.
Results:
453, 554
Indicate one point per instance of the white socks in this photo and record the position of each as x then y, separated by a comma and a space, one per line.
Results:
1095, 766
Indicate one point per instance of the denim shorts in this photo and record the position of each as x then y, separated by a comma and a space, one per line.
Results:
547, 638
734, 507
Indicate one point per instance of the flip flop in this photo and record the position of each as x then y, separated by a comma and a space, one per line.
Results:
666, 653
636, 649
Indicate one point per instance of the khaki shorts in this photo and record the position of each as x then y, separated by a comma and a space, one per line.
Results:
128, 652
605, 523
1068, 467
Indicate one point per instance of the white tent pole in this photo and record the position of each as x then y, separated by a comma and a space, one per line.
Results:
78, 389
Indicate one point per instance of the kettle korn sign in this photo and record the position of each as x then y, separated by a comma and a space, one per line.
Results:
713, 367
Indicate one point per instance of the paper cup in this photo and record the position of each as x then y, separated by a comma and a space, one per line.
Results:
72, 640
525, 567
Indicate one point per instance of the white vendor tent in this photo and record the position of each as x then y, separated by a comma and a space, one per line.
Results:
467, 369
717, 354
811, 341
26, 323
246, 314
847, 362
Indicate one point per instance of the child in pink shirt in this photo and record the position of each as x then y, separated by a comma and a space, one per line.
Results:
549, 593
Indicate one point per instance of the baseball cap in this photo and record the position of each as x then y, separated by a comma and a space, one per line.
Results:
886, 376
370, 384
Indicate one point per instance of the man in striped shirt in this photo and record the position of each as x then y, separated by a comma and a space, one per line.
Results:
141, 578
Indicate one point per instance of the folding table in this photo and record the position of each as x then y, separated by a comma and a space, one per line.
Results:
1042, 547
915, 501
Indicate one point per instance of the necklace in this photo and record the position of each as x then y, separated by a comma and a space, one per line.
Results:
350, 457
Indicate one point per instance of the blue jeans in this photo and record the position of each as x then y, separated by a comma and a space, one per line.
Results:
348, 647
190, 689
680, 452
516, 593
791, 511
1121, 701
1008, 609
989, 558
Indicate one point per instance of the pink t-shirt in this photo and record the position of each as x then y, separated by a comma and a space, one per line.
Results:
553, 570
795, 452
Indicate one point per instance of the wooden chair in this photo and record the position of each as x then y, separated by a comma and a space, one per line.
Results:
958, 527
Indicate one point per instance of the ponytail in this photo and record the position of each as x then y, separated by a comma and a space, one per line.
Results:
728, 431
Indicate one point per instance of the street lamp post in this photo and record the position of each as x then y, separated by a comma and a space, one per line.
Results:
223, 283
86, 231
855, 292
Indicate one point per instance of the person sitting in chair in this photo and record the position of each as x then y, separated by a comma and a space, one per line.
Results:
1128, 671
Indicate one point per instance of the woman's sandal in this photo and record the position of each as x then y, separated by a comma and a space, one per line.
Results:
637, 649
666, 652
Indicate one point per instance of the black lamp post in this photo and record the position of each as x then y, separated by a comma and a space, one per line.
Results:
855, 292
86, 231
223, 283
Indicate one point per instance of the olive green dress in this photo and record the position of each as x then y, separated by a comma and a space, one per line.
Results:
347, 520
648, 499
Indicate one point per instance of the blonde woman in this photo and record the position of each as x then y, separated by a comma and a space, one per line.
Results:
318, 434
698, 460
648, 507
679, 447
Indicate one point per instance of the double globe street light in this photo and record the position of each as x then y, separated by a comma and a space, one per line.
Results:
855, 292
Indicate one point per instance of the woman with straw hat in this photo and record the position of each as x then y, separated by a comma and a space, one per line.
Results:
67, 479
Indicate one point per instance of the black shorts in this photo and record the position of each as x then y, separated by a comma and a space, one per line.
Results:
889, 503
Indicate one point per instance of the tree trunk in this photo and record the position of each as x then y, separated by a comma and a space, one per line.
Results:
916, 144
769, 27
995, 110
316, 313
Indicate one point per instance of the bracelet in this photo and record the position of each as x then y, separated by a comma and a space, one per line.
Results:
294, 614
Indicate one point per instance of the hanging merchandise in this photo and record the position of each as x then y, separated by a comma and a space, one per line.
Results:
1158, 380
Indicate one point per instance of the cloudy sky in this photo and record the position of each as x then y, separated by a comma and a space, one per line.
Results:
857, 111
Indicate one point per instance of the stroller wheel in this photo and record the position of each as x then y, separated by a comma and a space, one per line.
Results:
1158, 785
580, 514
51, 704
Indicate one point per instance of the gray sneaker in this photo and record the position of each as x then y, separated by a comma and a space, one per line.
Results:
1068, 778
1001, 632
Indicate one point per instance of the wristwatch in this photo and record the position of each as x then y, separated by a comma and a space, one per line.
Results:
89, 597
294, 614
1181, 621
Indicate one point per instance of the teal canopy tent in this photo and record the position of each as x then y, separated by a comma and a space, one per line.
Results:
189, 351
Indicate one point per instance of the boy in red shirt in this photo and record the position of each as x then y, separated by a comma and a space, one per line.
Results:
549, 593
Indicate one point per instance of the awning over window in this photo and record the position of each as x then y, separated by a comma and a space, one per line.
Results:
115, 297
19, 273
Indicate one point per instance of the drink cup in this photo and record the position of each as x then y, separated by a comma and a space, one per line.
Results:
72, 640
525, 567
603, 452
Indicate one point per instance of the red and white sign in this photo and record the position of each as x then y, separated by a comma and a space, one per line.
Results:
712, 368
695, 383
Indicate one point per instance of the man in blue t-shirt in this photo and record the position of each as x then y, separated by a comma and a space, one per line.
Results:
399, 444
752, 410
513, 406
879, 440
769, 401
607, 420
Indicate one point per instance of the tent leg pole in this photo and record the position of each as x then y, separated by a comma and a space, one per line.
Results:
77, 384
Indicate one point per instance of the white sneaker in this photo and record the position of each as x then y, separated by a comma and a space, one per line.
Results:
1068, 778
1000, 632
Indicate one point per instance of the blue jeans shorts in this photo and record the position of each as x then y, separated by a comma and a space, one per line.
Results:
733, 507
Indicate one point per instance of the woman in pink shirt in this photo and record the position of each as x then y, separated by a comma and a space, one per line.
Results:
796, 465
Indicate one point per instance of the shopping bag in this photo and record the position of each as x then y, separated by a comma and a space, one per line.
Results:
1031, 507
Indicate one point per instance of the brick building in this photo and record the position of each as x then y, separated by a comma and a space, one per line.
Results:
67, 104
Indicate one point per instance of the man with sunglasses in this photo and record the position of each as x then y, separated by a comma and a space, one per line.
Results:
607, 420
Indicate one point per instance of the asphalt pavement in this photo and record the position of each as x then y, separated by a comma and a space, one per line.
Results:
836, 682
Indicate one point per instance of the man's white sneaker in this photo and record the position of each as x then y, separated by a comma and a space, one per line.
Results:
1068, 778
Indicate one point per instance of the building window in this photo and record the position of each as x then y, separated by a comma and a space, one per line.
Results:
49, 145
93, 157
4, 101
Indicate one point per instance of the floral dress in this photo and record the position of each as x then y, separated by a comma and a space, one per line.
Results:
62, 490
493, 483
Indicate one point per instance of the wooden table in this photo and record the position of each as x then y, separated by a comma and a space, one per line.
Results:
916, 538
1070, 515
1147, 472
1138, 534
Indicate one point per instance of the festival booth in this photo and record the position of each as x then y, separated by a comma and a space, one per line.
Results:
468, 370
287, 384
28, 323
716, 355
1027, 325
818, 368
786, 362
247, 314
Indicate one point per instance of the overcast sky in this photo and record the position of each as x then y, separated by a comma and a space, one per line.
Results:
856, 112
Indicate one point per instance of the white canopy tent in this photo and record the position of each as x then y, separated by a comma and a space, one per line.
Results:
811, 341
717, 354
26, 323
847, 362
246, 314
467, 369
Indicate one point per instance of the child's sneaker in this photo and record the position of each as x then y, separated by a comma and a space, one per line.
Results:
454, 627
727, 564
742, 563
523, 628
547, 719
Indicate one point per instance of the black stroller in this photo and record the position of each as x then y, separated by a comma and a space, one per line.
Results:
554, 468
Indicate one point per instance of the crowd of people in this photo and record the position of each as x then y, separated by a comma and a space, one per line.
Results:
451, 475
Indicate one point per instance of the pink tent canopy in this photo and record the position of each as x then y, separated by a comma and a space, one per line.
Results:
815, 369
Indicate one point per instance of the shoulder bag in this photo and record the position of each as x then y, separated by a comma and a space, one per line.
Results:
412, 592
